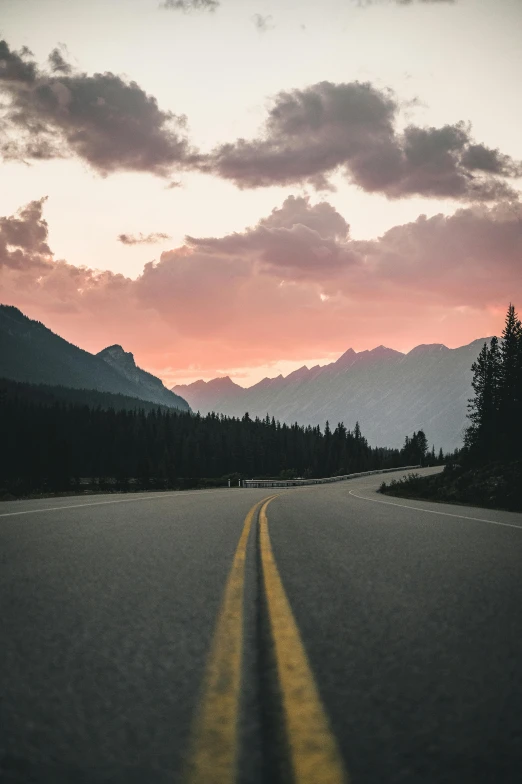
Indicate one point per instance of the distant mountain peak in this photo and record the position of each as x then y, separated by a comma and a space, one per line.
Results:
297, 375
223, 383
346, 359
384, 351
219, 384
427, 348
115, 351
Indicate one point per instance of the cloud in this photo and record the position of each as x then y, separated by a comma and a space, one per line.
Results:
297, 240
311, 133
364, 3
263, 23
142, 239
58, 63
23, 239
293, 286
107, 121
15, 66
190, 5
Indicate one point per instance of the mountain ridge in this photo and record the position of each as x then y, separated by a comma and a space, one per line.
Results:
30, 352
389, 392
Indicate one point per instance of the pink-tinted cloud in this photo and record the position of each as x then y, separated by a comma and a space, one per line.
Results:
293, 286
143, 239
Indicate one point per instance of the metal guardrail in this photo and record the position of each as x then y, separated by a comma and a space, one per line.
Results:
253, 483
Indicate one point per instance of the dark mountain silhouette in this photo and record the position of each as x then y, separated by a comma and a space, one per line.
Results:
30, 352
388, 392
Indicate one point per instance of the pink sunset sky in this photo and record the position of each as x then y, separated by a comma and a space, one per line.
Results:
243, 187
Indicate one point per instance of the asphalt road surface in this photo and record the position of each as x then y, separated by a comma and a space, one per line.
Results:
330, 635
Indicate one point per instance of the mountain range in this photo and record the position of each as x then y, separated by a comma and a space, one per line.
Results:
389, 393
31, 353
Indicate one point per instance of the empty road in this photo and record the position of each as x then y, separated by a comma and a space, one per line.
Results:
313, 635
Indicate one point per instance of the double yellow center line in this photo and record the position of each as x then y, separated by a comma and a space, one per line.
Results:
313, 751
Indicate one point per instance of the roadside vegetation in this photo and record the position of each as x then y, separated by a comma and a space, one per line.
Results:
487, 471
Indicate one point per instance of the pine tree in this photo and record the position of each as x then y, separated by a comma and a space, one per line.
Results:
510, 383
421, 447
483, 438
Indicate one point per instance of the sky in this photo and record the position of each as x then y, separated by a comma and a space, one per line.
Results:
241, 187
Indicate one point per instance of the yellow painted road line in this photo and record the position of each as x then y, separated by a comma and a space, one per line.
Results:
313, 748
215, 738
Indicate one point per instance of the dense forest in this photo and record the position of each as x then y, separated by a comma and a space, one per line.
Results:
487, 471
55, 445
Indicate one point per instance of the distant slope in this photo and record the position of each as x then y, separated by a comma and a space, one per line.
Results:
220, 394
388, 392
46, 395
31, 353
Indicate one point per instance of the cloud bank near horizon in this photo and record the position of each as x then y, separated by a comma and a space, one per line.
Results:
294, 286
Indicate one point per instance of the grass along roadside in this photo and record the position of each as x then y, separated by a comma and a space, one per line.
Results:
494, 486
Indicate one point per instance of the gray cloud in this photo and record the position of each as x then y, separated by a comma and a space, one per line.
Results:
58, 63
364, 3
23, 238
263, 23
14, 66
311, 133
296, 239
109, 122
191, 5
142, 239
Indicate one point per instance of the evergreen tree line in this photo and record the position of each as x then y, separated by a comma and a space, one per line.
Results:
53, 447
495, 411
